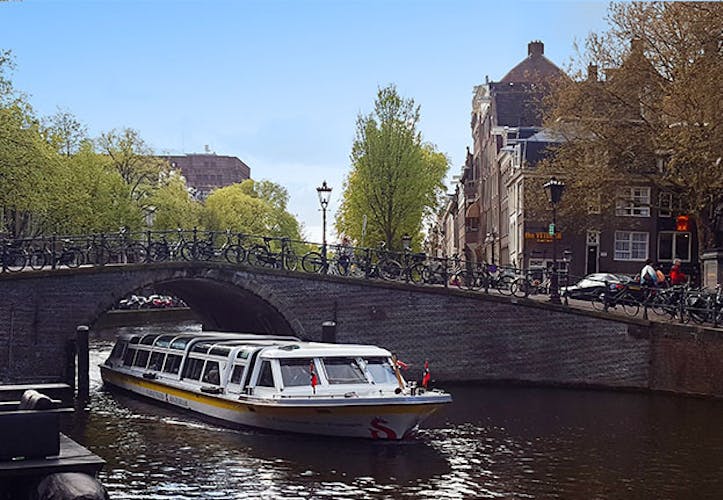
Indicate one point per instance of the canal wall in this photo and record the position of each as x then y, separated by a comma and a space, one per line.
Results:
466, 336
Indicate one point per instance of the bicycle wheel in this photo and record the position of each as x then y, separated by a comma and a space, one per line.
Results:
190, 251
521, 287
158, 252
235, 254
259, 256
416, 273
71, 257
390, 269
135, 253
696, 308
37, 258
598, 302
505, 285
290, 260
312, 262
15, 259
630, 304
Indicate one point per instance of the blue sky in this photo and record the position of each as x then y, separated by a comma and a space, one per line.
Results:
278, 84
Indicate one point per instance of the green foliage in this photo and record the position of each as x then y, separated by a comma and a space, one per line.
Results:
395, 180
172, 206
251, 208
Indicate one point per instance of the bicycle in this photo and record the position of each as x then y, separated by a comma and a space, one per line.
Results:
618, 293
526, 285
263, 255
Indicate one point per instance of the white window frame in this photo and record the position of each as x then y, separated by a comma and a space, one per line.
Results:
675, 243
633, 202
628, 239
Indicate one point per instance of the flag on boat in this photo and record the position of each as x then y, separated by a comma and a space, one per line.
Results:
401, 364
314, 379
426, 376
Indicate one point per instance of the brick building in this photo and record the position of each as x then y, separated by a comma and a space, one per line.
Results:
206, 172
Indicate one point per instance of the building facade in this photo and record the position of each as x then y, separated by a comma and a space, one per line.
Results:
206, 172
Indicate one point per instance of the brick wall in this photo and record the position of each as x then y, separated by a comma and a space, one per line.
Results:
466, 336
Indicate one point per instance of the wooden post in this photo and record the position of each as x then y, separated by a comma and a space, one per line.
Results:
81, 340
70, 351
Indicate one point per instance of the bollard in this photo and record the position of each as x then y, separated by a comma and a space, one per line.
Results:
81, 340
328, 332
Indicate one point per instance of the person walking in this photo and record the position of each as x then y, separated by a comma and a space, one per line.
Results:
677, 276
648, 276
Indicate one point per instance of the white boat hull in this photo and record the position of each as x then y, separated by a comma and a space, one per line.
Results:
365, 417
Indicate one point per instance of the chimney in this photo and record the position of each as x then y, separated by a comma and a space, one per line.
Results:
592, 72
535, 48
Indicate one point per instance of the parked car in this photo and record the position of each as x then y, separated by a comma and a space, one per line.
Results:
593, 285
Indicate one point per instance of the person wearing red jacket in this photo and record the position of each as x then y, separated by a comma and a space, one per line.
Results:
677, 277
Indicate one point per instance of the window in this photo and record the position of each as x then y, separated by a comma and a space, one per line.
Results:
674, 245
665, 202
344, 371
381, 371
236, 374
296, 372
211, 374
128, 356
633, 202
266, 378
156, 361
631, 245
193, 368
141, 358
173, 363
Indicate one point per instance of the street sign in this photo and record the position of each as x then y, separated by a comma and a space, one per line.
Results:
551, 231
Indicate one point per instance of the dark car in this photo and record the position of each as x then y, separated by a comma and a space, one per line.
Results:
593, 285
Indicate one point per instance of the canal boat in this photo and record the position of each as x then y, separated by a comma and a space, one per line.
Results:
275, 382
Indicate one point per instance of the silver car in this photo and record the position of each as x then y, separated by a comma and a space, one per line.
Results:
592, 285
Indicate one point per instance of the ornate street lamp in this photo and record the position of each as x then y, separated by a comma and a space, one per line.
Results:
406, 242
554, 189
490, 239
324, 193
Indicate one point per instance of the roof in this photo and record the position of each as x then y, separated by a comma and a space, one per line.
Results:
535, 68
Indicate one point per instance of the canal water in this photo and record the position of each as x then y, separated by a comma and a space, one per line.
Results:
492, 442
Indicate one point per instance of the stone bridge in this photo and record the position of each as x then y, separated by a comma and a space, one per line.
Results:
467, 336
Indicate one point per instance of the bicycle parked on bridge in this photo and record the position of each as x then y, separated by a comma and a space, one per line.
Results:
264, 255
628, 296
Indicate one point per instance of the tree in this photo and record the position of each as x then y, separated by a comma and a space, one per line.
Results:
252, 208
173, 206
395, 178
65, 132
135, 162
654, 116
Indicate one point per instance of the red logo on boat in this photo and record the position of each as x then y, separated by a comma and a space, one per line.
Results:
377, 430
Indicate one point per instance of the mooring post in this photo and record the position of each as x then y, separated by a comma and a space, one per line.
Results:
81, 341
328, 331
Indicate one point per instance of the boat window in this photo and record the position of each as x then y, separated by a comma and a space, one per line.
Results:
141, 358
242, 355
164, 341
220, 351
211, 374
135, 339
180, 343
193, 368
148, 339
156, 361
296, 371
201, 347
266, 378
128, 356
238, 371
117, 350
173, 363
381, 370
344, 371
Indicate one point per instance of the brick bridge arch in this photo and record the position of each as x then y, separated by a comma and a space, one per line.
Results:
466, 336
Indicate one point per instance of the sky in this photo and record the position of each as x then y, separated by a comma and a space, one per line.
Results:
277, 83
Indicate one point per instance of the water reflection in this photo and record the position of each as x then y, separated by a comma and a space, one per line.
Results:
503, 442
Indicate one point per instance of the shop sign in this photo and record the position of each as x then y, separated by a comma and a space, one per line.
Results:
542, 237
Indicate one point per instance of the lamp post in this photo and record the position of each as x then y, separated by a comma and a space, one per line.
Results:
490, 239
554, 190
406, 242
324, 193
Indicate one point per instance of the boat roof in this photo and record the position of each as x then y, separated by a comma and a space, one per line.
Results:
274, 346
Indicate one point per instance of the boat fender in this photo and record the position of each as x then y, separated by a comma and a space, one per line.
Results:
398, 390
351, 395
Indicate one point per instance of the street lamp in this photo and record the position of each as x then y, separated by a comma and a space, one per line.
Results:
490, 239
406, 242
554, 190
324, 193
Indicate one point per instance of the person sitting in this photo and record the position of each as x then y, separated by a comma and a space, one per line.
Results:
677, 276
660, 277
648, 276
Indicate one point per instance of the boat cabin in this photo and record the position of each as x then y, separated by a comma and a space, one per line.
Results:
264, 366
